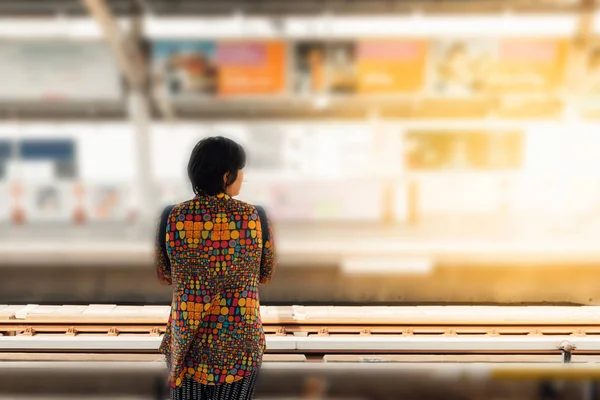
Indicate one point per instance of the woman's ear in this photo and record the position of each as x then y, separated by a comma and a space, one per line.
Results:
225, 179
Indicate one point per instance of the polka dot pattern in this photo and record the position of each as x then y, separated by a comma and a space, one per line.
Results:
215, 258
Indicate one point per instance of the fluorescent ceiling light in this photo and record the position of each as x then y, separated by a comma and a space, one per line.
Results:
297, 27
52, 28
237, 26
419, 25
416, 25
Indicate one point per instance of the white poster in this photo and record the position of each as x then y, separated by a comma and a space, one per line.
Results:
58, 71
51, 202
104, 203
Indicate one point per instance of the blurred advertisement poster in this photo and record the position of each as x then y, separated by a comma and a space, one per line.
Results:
460, 67
197, 68
529, 65
463, 151
50, 202
467, 67
184, 68
341, 67
591, 78
391, 66
325, 67
58, 71
251, 68
106, 203
584, 77
310, 68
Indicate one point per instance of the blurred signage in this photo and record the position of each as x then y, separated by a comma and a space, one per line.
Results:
529, 65
341, 67
35, 149
50, 202
391, 66
184, 68
58, 71
585, 78
591, 66
310, 68
456, 150
447, 67
59, 154
107, 203
325, 67
467, 67
249, 68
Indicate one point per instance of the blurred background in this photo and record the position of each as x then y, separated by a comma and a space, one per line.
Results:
407, 151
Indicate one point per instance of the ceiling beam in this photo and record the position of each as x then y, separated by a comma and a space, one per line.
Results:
124, 45
127, 49
585, 26
286, 7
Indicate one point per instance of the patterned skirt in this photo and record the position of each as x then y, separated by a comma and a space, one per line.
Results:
192, 390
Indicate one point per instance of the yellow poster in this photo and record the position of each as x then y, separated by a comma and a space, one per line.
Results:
391, 66
528, 65
461, 67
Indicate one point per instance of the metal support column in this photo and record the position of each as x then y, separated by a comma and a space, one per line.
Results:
139, 112
126, 46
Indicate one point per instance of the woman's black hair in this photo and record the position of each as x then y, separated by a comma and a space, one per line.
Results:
212, 158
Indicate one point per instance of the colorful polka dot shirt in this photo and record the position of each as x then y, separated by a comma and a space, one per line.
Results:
215, 260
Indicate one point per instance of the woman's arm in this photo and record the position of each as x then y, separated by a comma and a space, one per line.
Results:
161, 259
268, 262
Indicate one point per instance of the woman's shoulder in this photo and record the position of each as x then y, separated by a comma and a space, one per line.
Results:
242, 207
235, 206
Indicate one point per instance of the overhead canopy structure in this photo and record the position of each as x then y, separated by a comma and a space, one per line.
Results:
257, 7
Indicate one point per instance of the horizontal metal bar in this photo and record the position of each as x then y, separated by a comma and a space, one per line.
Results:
54, 356
554, 319
319, 248
445, 343
350, 343
441, 370
87, 343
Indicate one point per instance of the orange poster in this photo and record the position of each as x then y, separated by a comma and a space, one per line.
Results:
251, 68
391, 66
529, 65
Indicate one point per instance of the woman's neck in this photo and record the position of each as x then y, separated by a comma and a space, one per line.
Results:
221, 195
